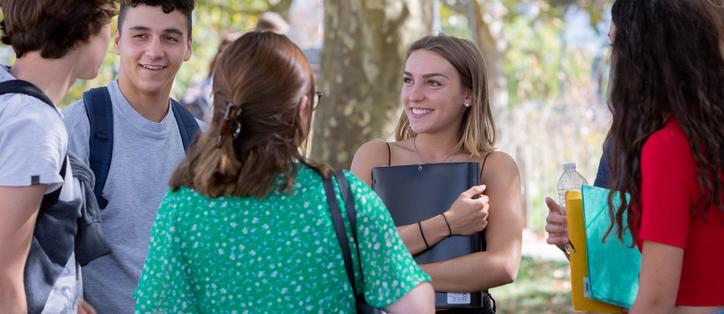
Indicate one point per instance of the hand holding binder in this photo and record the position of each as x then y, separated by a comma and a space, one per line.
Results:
469, 213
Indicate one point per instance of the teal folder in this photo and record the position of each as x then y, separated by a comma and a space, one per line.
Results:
613, 266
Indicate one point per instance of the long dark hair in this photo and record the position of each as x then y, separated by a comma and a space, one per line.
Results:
259, 82
667, 63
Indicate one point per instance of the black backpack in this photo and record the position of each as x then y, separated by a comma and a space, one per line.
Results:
99, 108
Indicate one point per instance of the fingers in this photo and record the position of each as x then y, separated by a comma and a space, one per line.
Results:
557, 241
473, 191
555, 218
553, 206
85, 308
556, 229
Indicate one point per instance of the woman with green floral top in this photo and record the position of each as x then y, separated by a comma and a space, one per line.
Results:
245, 226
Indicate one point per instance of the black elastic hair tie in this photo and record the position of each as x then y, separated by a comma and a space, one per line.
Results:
419, 224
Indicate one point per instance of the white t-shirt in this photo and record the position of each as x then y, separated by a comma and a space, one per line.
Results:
33, 145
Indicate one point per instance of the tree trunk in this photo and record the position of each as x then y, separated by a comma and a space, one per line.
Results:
486, 19
361, 72
281, 7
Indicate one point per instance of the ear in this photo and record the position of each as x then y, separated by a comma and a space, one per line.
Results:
467, 100
304, 107
187, 54
116, 41
468, 95
305, 114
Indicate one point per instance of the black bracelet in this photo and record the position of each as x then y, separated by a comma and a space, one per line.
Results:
448, 225
419, 224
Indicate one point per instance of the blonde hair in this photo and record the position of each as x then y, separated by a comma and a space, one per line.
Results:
477, 130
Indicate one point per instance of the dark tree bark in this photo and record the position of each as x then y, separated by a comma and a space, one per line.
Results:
361, 72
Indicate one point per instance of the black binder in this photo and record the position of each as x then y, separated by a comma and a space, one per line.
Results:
418, 192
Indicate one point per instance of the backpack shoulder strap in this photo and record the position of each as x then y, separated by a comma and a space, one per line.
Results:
99, 108
187, 126
25, 88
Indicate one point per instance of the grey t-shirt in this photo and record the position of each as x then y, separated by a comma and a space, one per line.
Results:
145, 154
34, 143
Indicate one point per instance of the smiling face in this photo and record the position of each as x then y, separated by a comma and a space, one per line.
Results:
152, 45
432, 93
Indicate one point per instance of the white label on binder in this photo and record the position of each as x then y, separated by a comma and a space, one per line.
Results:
458, 298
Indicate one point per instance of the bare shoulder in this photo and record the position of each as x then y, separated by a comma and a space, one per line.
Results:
371, 154
498, 165
375, 152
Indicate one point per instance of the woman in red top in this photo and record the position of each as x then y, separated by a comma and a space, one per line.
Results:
667, 102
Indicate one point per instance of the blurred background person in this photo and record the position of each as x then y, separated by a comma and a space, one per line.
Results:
197, 98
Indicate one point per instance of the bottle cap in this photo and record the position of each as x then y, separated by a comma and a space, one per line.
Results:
569, 166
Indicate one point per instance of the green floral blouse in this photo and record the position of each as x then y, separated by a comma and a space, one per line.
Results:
273, 255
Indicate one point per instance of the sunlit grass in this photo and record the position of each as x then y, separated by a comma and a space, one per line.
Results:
541, 287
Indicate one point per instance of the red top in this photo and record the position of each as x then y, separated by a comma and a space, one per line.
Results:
670, 191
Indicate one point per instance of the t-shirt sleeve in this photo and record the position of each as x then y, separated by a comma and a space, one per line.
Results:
668, 180
164, 285
389, 270
33, 144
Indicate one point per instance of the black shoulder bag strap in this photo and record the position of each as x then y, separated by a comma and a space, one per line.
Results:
334, 210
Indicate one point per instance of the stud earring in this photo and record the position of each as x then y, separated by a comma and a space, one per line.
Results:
467, 104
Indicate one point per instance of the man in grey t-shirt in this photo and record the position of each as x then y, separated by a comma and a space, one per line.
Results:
147, 145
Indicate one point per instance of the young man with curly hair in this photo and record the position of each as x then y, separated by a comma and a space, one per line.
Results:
153, 40
54, 47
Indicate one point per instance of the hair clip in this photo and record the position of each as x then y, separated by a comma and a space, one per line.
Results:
237, 130
225, 128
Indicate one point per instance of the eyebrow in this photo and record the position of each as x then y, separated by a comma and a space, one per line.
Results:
146, 29
428, 75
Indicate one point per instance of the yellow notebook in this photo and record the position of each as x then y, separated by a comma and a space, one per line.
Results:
579, 260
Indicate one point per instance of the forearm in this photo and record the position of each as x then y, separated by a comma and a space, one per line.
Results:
659, 278
640, 308
434, 229
12, 293
18, 212
473, 272
420, 299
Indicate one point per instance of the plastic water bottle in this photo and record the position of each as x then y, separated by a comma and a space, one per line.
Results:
570, 180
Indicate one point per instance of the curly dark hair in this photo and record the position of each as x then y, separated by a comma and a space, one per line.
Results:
52, 27
168, 6
667, 63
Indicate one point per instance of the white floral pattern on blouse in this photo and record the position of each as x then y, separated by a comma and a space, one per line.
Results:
278, 254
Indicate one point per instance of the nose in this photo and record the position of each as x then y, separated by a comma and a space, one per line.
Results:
154, 48
415, 92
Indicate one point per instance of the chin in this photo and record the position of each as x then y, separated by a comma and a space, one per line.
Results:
417, 130
88, 76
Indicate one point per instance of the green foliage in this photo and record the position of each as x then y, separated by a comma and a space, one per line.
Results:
541, 287
453, 23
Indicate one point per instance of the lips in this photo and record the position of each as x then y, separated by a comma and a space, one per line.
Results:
153, 67
420, 112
